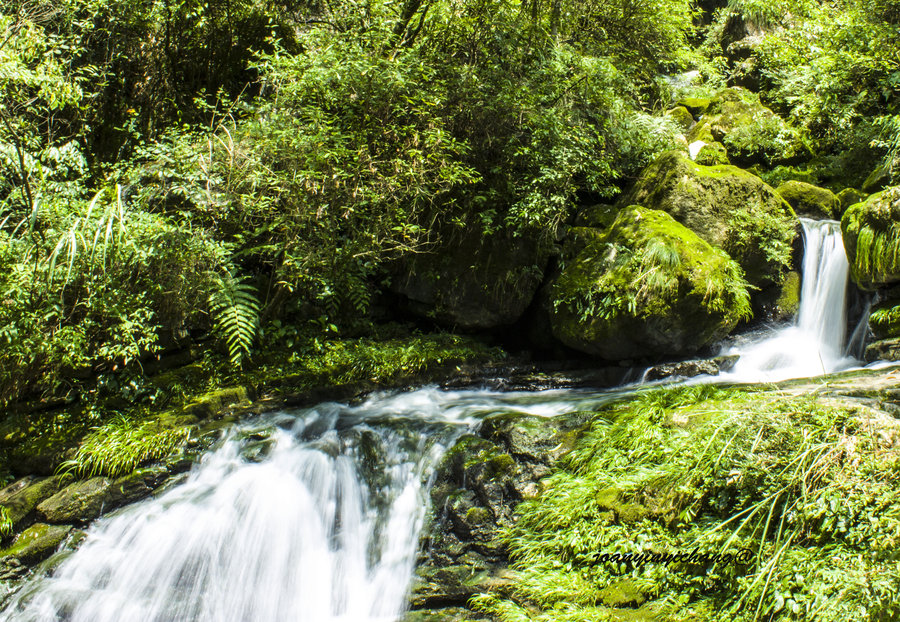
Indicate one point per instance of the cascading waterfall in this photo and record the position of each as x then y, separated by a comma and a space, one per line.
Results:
312, 515
815, 343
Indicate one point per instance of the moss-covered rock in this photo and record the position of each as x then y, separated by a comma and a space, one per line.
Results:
215, 402
788, 302
810, 200
712, 154
80, 502
850, 196
646, 287
752, 133
682, 117
473, 281
37, 543
696, 105
883, 350
885, 319
726, 206
872, 239
21, 498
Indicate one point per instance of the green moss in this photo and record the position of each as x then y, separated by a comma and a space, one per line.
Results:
682, 117
726, 206
788, 302
850, 196
809, 200
36, 543
885, 319
871, 233
631, 290
712, 154
696, 105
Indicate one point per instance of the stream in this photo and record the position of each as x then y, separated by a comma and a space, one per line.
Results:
315, 514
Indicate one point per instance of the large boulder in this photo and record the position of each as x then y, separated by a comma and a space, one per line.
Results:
646, 287
752, 133
810, 200
726, 206
473, 281
871, 232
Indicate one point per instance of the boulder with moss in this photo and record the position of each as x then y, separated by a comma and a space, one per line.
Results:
712, 154
473, 281
871, 232
752, 133
809, 200
682, 117
36, 543
647, 287
850, 196
726, 206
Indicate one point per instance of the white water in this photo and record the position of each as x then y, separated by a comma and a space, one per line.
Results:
311, 515
815, 343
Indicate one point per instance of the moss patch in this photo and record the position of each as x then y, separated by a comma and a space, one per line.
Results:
809, 200
648, 286
726, 206
871, 232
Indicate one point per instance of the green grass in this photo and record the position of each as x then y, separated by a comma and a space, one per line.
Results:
120, 446
810, 490
6, 524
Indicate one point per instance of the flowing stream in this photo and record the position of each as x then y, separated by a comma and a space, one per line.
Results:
815, 343
312, 514
315, 514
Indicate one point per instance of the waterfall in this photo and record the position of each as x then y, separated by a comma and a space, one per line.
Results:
815, 343
306, 515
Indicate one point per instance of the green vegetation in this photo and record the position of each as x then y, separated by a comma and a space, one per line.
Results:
872, 239
646, 269
120, 446
798, 483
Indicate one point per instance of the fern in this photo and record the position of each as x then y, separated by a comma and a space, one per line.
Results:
235, 310
6, 523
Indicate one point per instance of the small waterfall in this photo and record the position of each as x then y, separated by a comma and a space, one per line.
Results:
815, 343
309, 515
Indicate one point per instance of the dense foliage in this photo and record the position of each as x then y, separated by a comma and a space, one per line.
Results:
796, 484
175, 167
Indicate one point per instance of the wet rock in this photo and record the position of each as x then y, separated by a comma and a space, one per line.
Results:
21, 498
884, 350
36, 543
684, 369
79, 502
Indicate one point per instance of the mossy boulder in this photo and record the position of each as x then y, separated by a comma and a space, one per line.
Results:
682, 117
647, 287
37, 543
872, 239
850, 196
712, 154
80, 502
21, 498
885, 319
752, 133
696, 105
726, 206
473, 281
883, 350
810, 200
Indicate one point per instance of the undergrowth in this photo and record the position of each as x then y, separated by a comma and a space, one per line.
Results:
805, 491
120, 446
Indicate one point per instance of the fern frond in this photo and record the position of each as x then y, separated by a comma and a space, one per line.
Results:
235, 310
